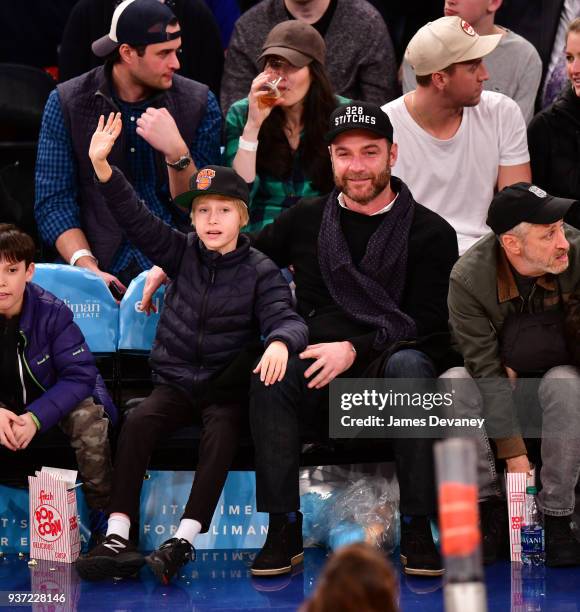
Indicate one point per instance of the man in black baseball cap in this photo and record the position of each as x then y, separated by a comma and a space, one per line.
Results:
507, 298
371, 271
525, 203
362, 133
359, 116
521, 215
170, 126
137, 23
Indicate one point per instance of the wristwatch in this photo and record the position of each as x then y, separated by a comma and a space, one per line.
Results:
181, 163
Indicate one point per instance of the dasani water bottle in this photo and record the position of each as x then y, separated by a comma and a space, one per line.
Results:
532, 532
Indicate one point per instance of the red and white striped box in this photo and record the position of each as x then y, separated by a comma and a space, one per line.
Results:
516, 483
54, 525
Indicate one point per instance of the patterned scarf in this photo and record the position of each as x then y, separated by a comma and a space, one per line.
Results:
371, 293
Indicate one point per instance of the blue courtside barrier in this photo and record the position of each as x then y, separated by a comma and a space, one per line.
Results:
95, 310
235, 524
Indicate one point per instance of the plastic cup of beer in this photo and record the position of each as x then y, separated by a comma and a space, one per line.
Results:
271, 95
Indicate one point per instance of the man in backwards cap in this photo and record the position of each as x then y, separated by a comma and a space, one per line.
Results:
171, 125
371, 271
458, 142
506, 307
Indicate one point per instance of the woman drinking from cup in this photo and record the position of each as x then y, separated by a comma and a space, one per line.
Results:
275, 136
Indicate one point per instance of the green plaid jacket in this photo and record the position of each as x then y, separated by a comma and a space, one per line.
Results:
269, 196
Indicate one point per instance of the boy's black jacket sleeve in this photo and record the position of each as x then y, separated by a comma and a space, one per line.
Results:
275, 312
162, 244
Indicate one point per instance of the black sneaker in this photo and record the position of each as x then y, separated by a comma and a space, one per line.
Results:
169, 557
115, 557
283, 547
97, 527
562, 548
495, 534
419, 555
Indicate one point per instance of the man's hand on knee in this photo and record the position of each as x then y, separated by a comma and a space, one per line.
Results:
512, 376
518, 464
331, 360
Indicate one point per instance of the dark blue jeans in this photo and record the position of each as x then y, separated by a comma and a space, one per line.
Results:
277, 411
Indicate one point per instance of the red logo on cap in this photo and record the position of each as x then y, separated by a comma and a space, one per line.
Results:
467, 28
204, 178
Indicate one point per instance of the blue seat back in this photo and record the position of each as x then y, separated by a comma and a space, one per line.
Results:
136, 329
95, 310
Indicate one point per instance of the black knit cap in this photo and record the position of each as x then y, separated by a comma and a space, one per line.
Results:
524, 202
137, 22
359, 116
215, 180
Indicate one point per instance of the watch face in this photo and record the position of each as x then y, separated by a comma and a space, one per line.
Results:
181, 163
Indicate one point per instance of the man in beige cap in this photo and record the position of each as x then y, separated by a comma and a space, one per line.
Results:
515, 67
457, 142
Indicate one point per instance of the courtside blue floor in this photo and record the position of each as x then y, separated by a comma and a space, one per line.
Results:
220, 580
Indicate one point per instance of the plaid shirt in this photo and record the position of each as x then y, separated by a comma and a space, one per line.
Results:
269, 196
56, 205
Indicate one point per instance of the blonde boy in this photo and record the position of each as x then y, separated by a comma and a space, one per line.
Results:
224, 296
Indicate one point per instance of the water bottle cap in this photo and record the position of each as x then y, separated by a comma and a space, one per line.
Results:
531, 490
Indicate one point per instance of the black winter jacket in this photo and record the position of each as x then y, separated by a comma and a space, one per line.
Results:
293, 240
215, 306
554, 143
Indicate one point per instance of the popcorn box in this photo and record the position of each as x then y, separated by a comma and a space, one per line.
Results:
516, 484
54, 525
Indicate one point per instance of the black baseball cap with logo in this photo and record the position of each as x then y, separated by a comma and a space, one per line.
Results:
215, 180
359, 116
525, 202
137, 22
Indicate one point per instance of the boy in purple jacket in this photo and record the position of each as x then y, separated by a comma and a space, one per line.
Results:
48, 375
223, 297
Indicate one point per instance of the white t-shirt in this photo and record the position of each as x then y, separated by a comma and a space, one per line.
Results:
456, 178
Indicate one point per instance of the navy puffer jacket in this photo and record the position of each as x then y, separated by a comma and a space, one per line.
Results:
57, 358
215, 305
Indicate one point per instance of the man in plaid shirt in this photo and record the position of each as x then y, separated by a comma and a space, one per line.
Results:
171, 126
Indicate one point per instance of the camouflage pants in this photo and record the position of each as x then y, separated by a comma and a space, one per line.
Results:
87, 429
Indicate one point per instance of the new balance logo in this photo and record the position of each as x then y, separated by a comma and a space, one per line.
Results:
114, 546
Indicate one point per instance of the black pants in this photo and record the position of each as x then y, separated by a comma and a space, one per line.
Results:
164, 411
276, 415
